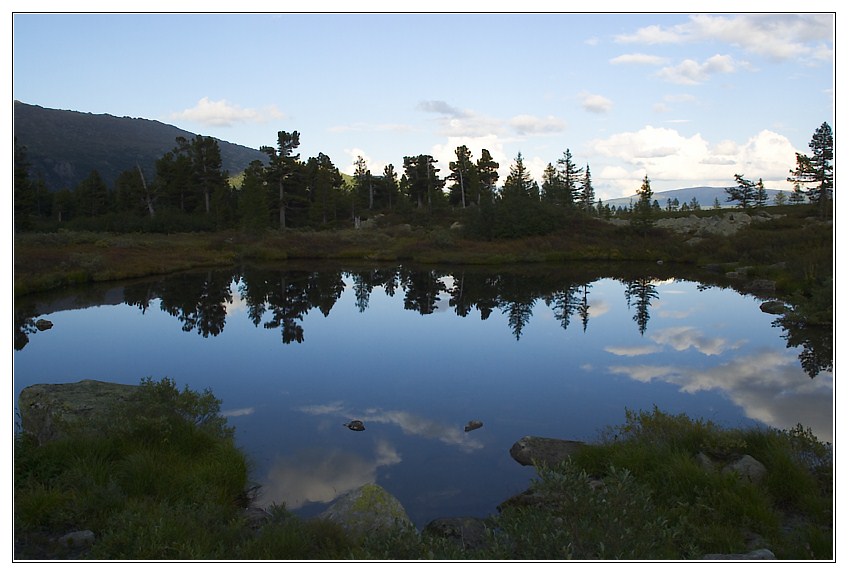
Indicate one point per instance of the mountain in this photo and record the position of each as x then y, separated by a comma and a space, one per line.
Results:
63, 146
704, 195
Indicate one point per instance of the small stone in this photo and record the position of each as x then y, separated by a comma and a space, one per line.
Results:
473, 425
77, 539
43, 324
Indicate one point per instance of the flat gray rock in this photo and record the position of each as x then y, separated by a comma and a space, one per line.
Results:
535, 450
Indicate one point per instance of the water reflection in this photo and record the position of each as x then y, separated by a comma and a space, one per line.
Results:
417, 352
280, 299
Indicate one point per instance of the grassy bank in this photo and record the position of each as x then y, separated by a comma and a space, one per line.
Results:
166, 482
793, 249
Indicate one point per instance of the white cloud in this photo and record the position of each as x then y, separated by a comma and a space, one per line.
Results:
683, 337
442, 108
768, 385
666, 155
691, 72
637, 58
632, 350
654, 35
222, 113
525, 124
595, 103
775, 36
365, 127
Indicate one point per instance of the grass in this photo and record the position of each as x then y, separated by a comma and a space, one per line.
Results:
802, 248
165, 482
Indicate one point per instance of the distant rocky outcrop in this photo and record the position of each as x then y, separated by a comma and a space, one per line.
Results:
726, 223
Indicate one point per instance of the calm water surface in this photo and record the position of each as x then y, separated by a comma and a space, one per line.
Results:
416, 353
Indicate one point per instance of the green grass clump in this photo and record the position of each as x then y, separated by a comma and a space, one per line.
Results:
718, 512
167, 464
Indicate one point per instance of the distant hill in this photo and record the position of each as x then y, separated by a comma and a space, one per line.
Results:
705, 196
63, 146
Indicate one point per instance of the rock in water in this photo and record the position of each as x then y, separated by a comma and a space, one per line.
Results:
355, 425
473, 425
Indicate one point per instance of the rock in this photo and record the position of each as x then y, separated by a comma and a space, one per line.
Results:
466, 532
746, 467
773, 307
760, 554
760, 285
355, 425
46, 408
456, 226
78, 539
473, 425
368, 509
43, 325
534, 450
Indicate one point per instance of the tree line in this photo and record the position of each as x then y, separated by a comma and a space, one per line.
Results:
191, 192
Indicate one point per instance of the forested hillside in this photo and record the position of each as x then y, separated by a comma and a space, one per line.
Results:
63, 147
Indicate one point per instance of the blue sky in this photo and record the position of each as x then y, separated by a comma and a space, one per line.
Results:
687, 99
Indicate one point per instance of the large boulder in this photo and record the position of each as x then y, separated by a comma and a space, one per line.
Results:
367, 510
538, 451
46, 409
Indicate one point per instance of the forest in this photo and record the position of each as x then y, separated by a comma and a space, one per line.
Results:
191, 192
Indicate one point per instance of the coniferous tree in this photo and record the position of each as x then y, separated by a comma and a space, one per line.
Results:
282, 163
586, 194
364, 183
92, 196
390, 184
817, 170
761, 196
253, 200
519, 183
642, 218
743, 193
570, 175
462, 174
552, 189
487, 170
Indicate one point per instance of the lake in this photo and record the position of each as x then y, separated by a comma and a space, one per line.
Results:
296, 351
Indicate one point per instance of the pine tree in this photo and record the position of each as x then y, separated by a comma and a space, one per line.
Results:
570, 175
743, 193
642, 217
817, 169
519, 183
586, 194
282, 163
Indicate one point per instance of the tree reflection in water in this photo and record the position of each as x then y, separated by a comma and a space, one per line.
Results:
280, 299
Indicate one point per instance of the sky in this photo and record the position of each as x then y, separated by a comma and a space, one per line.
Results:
685, 99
